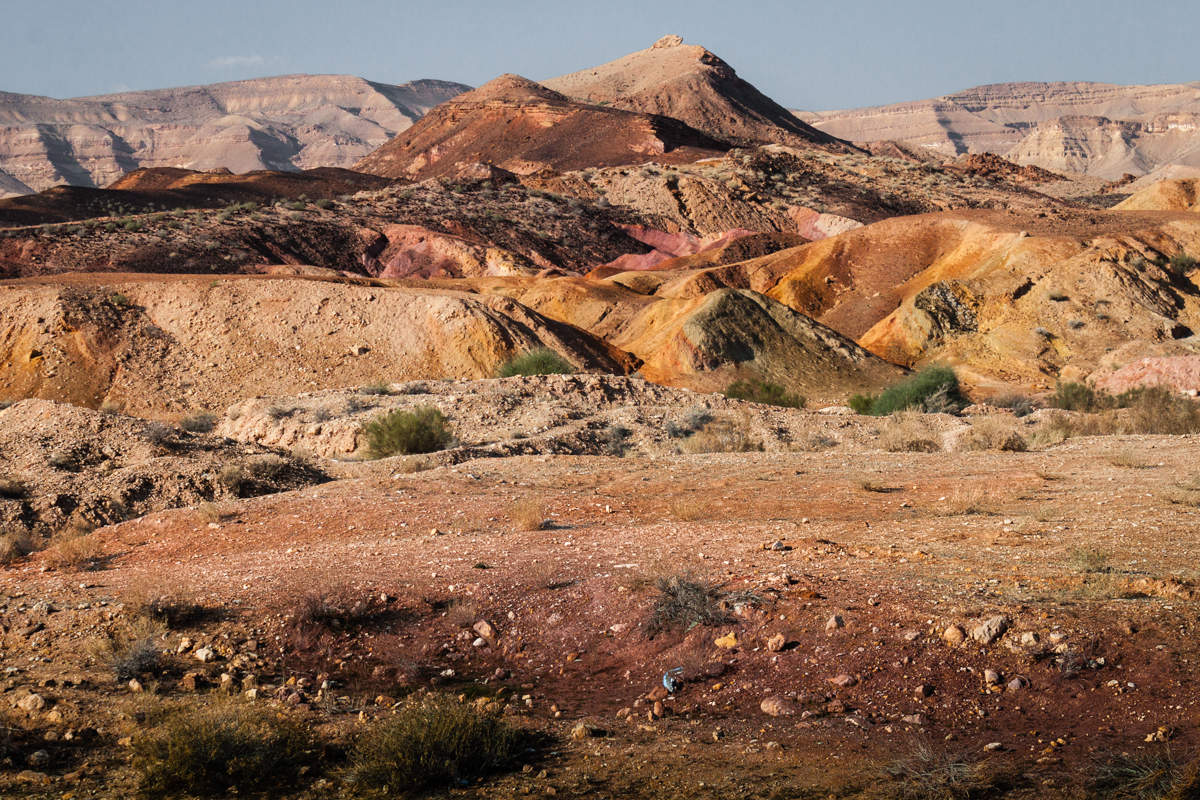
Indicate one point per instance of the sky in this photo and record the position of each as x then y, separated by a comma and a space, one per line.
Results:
806, 55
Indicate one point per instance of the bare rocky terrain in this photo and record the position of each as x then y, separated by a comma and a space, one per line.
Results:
287, 122
705, 454
1087, 128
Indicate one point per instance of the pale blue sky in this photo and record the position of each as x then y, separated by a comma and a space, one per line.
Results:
828, 54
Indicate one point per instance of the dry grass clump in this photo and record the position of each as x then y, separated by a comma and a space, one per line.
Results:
214, 749
73, 549
429, 742
1090, 560
131, 651
13, 546
721, 436
528, 515
924, 773
173, 606
689, 509
1129, 459
202, 422
1155, 775
684, 602
909, 432
990, 433
966, 500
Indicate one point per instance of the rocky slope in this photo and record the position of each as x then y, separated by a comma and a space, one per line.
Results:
523, 127
64, 465
1092, 128
688, 83
288, 122
161, 347
1173, 195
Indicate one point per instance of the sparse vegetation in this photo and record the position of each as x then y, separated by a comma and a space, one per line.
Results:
430, 742
1019, 404
721, 436
381, 388
909, 432
212, 749
933, 390
528, 515
422, 430
14, 546
202, 422
684, 602
130, 652
541, 361
1090, 559
1153, 775
927, 774
759, 391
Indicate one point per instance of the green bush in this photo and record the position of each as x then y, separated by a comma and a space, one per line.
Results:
932, 390
434, 741
210, 751
1073, 396
422, 430
542, 361
862, 403
1181, 264
759, 391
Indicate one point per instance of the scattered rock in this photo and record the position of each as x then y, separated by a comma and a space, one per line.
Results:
776, 643
485, 630
954, 635
192, 681
204, 655
134, 685
913, 719
585, 730
776, 706
833, 623
845, 681
990, 629
991, 677
1029, 639
727, 642
38, 759
992, 747
1016, 684
923, 691
31, 703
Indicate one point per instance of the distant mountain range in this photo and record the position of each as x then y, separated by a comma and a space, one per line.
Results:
1097, 129
285, 123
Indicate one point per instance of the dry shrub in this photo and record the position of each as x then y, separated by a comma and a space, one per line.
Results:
528, 515
990, 433
215, 512
72, 549
172, 606
1129, 459
924, 773
721, 436
909, 432
966, 500
130, 651
1153, 775
684, 602
342, 608
213, 749
689, 509
14, 546
429, 742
